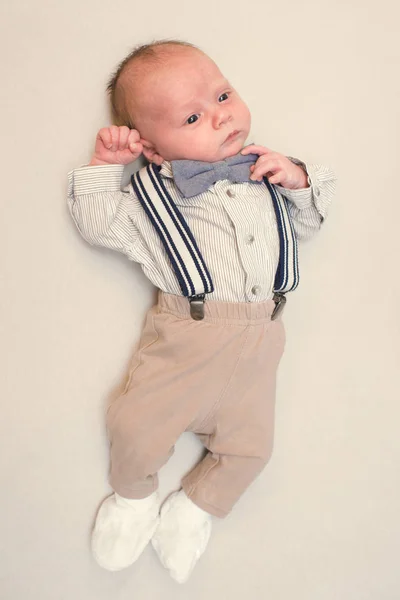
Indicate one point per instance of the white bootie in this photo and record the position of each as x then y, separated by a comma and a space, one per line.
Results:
123, 529
182, 535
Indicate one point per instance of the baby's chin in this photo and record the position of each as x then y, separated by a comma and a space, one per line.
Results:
231, 148
222, 153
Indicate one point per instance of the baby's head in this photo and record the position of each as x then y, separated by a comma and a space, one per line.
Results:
181, 104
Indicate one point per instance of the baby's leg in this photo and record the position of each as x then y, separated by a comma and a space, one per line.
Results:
241, 441
239, 436
143, 424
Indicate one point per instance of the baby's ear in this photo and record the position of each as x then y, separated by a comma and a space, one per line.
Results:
150, 153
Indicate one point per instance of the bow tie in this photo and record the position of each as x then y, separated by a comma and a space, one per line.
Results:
193, 177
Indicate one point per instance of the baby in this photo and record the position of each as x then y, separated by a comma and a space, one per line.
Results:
216, 221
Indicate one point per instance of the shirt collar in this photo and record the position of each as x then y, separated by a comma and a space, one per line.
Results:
166, 169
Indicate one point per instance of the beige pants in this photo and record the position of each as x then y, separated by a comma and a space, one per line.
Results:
214, 377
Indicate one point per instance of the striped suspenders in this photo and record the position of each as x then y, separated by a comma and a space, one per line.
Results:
190, 269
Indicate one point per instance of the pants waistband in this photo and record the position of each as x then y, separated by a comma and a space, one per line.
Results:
233, 312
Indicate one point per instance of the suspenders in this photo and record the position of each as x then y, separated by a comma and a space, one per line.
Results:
190, 269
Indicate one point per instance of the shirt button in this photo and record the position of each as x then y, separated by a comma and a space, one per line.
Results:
249, 239
317, 191
255, 290
230, 193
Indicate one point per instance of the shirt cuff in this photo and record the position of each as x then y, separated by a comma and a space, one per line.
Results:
302, 198
92, 179
315, 194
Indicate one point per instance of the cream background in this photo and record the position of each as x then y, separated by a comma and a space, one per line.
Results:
322, 522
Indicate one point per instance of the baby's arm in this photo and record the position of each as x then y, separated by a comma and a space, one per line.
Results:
103, 213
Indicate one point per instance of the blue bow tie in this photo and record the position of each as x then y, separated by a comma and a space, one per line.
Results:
193, 177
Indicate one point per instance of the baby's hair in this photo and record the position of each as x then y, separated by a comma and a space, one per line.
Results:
151, 54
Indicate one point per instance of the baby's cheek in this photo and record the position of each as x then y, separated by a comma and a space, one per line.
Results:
247, 116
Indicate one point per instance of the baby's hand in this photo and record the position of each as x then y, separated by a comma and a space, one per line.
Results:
116, 146
277, 168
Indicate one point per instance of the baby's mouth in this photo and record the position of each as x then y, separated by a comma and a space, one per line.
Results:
232, 136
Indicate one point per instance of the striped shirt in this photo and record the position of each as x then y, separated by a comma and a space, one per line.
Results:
234, 225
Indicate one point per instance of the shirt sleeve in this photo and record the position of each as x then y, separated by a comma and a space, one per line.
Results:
104, 214
308, 207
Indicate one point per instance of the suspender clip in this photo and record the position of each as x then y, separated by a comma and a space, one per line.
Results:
197, 306
280, 301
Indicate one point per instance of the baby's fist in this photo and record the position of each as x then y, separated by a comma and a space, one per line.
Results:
116, 146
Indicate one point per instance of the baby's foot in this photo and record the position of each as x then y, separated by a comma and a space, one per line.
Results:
123, 529
181, 536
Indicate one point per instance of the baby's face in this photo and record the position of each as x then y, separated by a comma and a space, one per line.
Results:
188, 110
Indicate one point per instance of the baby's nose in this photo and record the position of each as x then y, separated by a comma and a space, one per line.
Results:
221, 117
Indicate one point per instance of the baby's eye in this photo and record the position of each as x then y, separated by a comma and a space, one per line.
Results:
192, 119
223, 97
